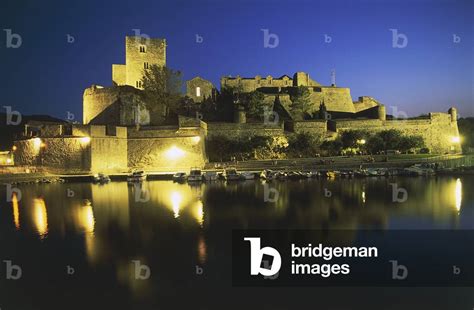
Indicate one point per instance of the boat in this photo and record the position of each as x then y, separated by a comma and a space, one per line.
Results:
221, 176
179, 177
372, 172
101, 178
280, 175
195, 175
136, 176
231, 174
210, 176
420, 170
248, 175
294, 175
360, 173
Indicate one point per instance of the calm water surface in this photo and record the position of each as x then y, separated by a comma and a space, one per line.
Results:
99, 230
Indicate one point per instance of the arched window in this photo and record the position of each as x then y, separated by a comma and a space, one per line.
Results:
198, 91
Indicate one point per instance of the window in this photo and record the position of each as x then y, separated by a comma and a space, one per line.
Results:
198, 91
142, 49
145, 65
139, 84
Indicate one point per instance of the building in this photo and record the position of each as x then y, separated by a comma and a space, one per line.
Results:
120, 132
140, 54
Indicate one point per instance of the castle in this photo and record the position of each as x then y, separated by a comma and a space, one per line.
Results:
120, 133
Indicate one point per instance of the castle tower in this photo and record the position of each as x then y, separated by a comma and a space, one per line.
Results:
454, 114
140, 54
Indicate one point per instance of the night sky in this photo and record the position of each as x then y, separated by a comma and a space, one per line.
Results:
47, 75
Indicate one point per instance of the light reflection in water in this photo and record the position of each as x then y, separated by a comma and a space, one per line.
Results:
16, 212
458, 195
85, 218
199, 209
40, 217
202, 249
176, 200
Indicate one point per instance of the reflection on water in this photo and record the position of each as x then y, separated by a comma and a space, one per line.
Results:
16, 211
165, 224
458, 194
41, 217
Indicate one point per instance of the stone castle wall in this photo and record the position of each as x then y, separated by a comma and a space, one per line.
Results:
70, 154
242, 131
113, 106
337, 99
438, 130
251, 84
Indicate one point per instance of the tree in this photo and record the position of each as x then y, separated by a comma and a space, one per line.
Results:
391, 138
254, 104
332, 147
375, 144
408, 143
304, 145
323, 112
353, 138
300, 103
162, 90
225, 103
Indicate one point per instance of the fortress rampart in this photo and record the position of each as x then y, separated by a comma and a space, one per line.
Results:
438, 130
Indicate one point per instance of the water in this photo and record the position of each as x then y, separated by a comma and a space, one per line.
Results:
99, 230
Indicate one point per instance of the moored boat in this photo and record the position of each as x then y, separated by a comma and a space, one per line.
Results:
136, 176
179, 177
210, 176
101, 178
231, 174
195, 175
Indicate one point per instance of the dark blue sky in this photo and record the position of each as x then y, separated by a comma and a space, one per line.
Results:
47, 75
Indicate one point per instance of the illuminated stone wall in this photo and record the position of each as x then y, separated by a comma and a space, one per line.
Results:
251, 84
438, 130
239, 131
119, 105
68, 155
83, 149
